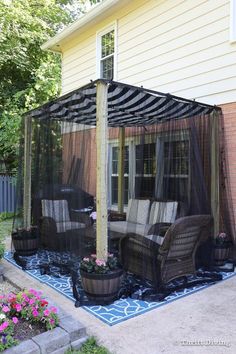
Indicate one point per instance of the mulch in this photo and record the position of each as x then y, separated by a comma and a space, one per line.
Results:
25, 330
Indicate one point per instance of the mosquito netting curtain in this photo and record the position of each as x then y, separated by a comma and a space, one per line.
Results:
161, 171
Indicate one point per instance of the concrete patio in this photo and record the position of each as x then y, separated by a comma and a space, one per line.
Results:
203, 322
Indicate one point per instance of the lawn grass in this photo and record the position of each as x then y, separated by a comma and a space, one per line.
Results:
5, 228
90, 347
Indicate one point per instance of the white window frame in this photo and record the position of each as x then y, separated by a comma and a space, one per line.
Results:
115, 143
232, 21
99, 34
149, 139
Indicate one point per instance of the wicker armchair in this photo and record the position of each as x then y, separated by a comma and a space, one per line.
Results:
60, 231
165, 258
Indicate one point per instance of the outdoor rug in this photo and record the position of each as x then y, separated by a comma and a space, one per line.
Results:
120, 310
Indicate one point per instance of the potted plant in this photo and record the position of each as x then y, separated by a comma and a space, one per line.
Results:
221, 248
26, 240
101, 280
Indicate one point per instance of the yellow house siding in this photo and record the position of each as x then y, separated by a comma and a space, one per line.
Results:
175, 46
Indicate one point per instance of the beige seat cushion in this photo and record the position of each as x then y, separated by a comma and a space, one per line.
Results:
156, 238
138, 211
56, 209
68, 225
125, 227
163, 212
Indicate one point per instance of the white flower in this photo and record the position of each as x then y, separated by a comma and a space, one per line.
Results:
2, 316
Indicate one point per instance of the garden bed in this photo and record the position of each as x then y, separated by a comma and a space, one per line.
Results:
30, 323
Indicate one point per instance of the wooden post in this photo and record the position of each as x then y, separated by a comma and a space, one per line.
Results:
101, 183
121, 163
215, 167
27, 173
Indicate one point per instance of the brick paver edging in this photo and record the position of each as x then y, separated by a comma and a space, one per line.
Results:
70, 334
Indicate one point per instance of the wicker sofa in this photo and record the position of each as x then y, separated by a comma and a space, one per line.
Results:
163, 261
141, 217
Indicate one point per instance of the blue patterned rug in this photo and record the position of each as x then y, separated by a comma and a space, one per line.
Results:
120, 310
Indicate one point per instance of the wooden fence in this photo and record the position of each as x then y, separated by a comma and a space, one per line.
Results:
7, 193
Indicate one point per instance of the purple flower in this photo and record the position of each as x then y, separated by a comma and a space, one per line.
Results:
4, 339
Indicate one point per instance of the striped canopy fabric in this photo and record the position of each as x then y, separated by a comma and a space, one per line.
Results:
127, 106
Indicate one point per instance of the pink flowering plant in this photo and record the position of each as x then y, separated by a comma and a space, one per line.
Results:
27, 306
222, 239
92, 264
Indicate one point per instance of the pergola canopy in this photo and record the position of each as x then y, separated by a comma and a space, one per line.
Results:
157, 173
127, 106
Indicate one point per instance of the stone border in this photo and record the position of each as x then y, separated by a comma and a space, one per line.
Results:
70, 334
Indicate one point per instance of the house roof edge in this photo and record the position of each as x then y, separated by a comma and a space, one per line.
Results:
53, 44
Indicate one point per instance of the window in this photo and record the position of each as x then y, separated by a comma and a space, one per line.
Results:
139, 171
114, 175
106, 59
145, 157
147, 174
233, 21
173, 180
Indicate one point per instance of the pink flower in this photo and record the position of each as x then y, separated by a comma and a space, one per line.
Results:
222, 235
26, 298
3, 326
11, 297
18, 307
5, 309
86, 259
14, 320
93, 255
52, 321
100, 262
53, 309
35, 313
32, 291
31, 301
46, 312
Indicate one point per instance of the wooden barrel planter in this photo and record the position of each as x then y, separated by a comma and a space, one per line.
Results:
102, 289
221, 253
26, 242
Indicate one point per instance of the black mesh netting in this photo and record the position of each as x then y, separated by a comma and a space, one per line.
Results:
166, 225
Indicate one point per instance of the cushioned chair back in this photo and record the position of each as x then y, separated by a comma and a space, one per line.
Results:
163, 212
56, 209
138, 211
182, 238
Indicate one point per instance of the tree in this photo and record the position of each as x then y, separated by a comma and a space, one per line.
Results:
29, 76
